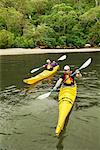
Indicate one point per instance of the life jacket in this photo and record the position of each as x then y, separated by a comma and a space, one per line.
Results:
49, 67
68, 80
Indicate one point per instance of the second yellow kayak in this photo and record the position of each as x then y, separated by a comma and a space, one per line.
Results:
43, 75
67, 96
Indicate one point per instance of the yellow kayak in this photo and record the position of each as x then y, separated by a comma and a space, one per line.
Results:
67, 96
43, 75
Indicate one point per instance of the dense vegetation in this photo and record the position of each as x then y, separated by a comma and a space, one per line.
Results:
49, 23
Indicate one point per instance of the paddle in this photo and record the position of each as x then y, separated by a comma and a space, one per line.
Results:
36, 69
86, 64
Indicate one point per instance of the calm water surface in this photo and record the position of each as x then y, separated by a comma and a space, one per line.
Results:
27, 123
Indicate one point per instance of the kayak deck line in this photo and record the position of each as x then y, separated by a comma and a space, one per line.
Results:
66, 99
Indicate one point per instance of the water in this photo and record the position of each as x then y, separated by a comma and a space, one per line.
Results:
27, 123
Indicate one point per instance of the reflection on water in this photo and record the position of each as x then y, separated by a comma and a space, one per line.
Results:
27, 123
89, 91
60, 145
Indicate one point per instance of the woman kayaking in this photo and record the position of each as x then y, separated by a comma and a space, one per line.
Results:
66, 79
50, 65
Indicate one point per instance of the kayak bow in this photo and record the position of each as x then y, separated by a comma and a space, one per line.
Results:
67, 96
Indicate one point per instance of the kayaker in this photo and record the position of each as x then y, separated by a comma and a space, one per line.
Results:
50, 65
54, 63
66, 79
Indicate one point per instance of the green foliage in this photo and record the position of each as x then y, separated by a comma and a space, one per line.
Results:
61, 41
94, 34
2, 23
90, 17
74, 41
62, 7
6, 39
44, 36
83, 6
39, 6
13, 20
49, 23
90, 22
28, 30
60, 21
22, 42
23, 6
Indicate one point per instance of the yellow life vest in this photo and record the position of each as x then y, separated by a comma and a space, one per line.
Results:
68, 79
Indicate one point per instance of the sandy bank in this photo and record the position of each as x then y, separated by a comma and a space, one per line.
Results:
21, 51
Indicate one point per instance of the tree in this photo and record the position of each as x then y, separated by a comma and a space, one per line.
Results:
28, 30
23, 42
6, 39
44, 36
97, 2
89, 22
13, 19
61, 7
89, 18
94, 34
2, 23
39, 6
49, 23
23, 6
61, 18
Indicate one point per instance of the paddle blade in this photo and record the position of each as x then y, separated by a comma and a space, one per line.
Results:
87, 63
62, 57
34, 70
43, 96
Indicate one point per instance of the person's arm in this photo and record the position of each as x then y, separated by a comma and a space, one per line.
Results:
78, 74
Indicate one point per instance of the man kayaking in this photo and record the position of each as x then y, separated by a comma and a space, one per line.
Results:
66, 79
50, 65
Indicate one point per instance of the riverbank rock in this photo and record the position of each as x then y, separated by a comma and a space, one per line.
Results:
87, 45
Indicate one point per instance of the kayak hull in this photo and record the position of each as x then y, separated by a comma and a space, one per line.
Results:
67, 96
43, 75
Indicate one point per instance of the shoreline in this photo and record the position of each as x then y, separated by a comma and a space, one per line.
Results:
22, 51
